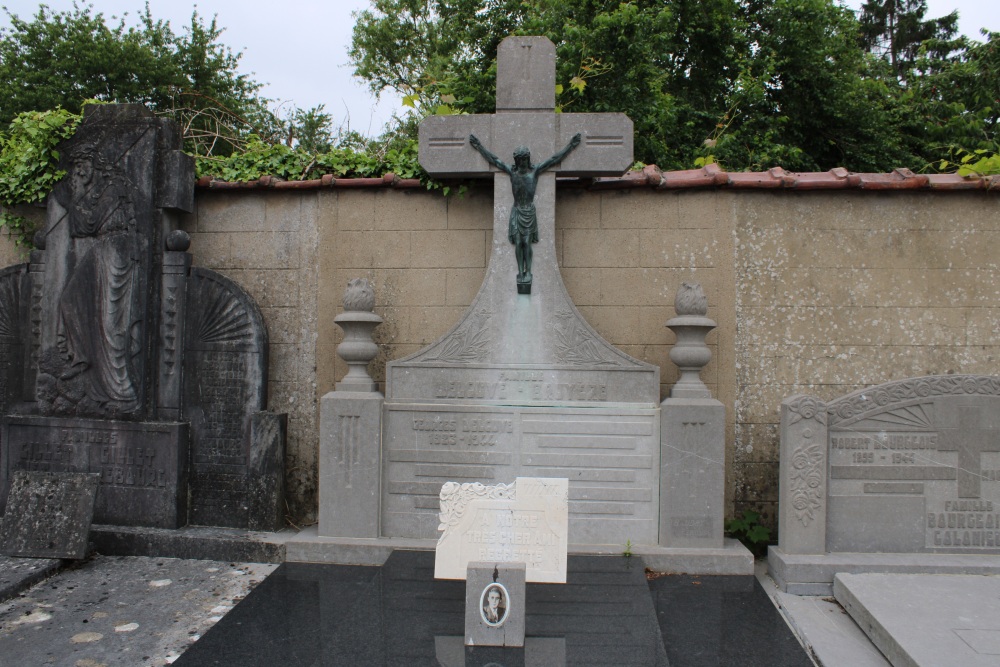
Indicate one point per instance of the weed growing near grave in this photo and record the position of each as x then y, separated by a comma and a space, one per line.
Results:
748, 530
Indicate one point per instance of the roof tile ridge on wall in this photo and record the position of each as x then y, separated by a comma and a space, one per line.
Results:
709, 176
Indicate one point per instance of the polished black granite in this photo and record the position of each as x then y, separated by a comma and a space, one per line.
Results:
398, 614
709, 621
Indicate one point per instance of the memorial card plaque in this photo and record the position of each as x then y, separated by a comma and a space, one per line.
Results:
48, 515
524, 522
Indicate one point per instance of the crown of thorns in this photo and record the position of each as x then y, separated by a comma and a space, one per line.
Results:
522, 151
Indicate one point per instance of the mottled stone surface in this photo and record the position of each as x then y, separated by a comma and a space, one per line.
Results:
122, 612
141, 466
48, 515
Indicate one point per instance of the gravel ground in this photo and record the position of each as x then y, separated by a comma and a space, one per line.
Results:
109, 611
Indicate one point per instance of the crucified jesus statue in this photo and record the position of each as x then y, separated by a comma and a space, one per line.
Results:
522, 230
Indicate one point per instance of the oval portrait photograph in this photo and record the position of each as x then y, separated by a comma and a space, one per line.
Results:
493, 604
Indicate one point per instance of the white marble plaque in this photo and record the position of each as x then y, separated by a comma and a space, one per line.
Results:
524, 522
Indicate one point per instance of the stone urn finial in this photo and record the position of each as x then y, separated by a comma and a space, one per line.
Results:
690, 353
358, 321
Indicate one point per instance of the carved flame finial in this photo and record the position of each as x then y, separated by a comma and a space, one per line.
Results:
690, 300
359, 295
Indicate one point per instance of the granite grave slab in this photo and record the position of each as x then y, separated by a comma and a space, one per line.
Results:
900, 477
926, 620
49, 515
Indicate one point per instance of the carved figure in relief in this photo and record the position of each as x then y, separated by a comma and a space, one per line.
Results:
91, 369
522, 230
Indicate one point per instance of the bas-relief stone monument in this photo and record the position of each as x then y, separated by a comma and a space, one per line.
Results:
118, 357
900, 477
522, 386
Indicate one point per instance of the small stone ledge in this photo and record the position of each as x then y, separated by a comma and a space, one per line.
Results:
194, 542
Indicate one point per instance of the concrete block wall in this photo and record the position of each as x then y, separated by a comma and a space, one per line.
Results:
817, 292
268, 243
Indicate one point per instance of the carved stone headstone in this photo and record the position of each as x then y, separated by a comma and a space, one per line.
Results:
903, 476
118, 358
48, 515
522, 386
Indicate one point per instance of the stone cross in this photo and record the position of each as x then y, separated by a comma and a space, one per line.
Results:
526, 116
971, 438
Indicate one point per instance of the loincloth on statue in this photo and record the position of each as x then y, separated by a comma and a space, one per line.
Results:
523, 224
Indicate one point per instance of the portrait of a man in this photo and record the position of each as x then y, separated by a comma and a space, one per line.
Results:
494, 602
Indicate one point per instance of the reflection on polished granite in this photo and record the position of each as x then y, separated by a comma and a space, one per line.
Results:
398, 614
723, 621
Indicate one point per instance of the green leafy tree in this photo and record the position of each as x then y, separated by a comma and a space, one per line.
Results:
62, 58
897, 30
753, 84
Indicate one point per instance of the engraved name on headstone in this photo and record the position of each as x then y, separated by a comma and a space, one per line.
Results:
524, 522
911, 466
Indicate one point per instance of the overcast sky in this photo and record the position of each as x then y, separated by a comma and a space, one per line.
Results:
299, 47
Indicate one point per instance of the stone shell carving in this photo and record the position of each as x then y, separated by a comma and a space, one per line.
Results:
455, 498
873, 398
359, 295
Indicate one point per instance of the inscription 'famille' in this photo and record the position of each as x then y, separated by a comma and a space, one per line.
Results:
534, 390
964, 523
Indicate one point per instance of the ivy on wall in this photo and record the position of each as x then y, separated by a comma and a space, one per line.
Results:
29, 163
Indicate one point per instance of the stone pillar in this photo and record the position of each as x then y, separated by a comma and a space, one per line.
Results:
692, 436
350, 430
33, 303
176, 262
803, 477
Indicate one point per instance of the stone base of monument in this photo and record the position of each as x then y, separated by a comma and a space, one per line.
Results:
494, 604
142, 466
813, 574
195, 542
926, 619
308, 547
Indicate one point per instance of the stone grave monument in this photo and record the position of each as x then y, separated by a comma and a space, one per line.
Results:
117, 357
903, 477
522, 386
